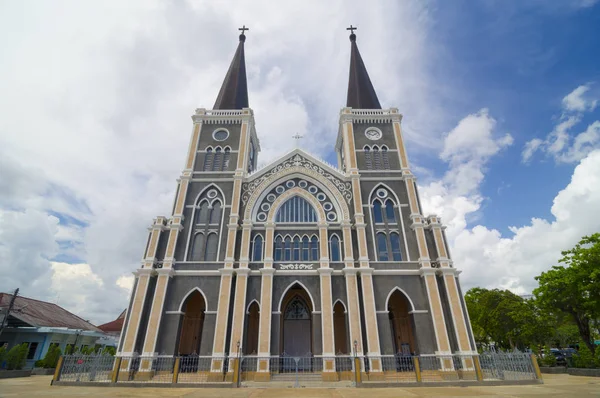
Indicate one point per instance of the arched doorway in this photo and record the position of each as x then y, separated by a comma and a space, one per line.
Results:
296, 322
191, 327
253, 319
401, 324
340, 331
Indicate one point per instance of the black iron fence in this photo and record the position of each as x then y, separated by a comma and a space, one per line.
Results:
297, 371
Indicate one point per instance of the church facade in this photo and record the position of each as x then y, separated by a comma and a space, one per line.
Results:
299, 257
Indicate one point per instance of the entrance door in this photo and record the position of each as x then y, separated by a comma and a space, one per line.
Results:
297, 328
191, 328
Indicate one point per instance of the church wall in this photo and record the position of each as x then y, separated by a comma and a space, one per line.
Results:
433, 253
253, 291
338, 290
128, 314
413, 286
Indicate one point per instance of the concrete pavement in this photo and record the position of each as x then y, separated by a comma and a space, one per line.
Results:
560, 385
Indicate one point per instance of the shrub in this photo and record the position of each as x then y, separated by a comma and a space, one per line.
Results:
39, 363
597, 356
548, 359
15, 359
109, 351
51, 358
584, 357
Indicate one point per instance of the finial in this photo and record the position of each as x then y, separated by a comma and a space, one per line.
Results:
297, 137
243, 29
352, 35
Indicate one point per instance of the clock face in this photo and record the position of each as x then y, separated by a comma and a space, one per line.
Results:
373, 134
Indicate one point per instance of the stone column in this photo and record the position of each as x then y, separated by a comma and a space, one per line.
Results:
351, 291
454, 298
143, 276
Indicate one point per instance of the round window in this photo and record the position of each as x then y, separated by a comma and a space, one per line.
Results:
331, 216
265, 207
312, 189
271, 197
302, 184
321, 196
290, 184
280, 189
212, 193
327, 206
220, 135
261, 216
382, 193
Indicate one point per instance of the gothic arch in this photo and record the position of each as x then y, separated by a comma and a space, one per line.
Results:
296, 191
383, 185
396, 288
206, 188
188, 294
250, 304
342, 303
296, 282
285, 174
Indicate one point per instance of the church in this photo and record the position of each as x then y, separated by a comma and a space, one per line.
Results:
298, 257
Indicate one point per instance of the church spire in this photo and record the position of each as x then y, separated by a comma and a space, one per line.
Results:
361, 94
234, 91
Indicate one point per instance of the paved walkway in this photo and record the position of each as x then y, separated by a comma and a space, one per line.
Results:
563, 386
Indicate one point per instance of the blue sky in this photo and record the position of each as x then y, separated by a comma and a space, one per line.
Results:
495, 97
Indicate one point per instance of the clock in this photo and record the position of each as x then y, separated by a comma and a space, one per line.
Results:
373, 134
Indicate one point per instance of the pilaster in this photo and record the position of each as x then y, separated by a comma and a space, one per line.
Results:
264, 328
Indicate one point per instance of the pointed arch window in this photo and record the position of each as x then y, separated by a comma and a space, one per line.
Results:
226, 155
297, 247
208, 159
385, 160
314, 248
368, 160
388, 234
376, 158
296, 210
334, 248
203, 240
278, 248
257, 248
390, 217
305, 248
287, 249
382, 247
395, 244
217, 162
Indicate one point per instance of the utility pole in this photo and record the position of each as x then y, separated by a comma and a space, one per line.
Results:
10, 307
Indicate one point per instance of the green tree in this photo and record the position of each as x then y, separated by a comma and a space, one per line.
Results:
575, 289
16, 357
51, 358
584, 357
506, 319
2, 355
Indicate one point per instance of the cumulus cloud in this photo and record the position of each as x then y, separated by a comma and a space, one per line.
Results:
467, 148
562, 144
93, 138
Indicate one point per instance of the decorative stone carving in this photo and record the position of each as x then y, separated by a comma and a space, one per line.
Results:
293, 165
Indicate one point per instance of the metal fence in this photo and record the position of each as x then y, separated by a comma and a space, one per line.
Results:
297, 371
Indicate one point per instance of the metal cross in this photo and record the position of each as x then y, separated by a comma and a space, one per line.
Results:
352, 29
297, 137
243, 29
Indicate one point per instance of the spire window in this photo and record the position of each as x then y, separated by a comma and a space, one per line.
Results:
388, 234
334, 248
257, 248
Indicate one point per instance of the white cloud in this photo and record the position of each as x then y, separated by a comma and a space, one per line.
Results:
93, 138
561, 143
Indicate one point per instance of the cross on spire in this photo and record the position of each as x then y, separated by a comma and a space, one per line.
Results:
243, 29
352, 29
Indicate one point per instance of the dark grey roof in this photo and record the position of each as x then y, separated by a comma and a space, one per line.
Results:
361, 94
234, 91
31, 312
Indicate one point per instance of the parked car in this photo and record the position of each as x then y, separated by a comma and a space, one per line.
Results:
561, 359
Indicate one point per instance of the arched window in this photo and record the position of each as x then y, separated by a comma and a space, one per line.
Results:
197, 247
385, 223
314, 248
208, 159
215, 214
334, 248
217, 163
305, 248
202, 213
278, 248
382, 249
257, 248
211, 247
377, 213
385, 158
297, 248
251, 158
203, 238
395, 243
368, 160
389, 212
297, 210
226, 159
287, 249
376, 158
